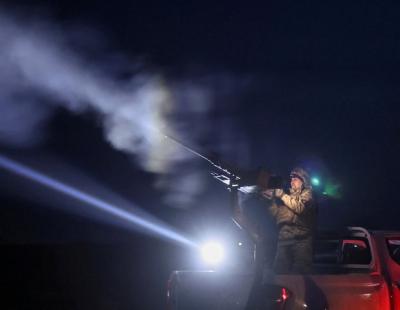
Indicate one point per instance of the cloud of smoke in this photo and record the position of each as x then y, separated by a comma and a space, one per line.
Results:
39, 71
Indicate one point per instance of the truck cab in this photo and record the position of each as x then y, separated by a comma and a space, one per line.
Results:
352, 270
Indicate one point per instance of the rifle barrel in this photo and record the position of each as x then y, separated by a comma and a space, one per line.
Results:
181, 144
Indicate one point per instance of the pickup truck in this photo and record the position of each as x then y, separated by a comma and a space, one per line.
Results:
352, 269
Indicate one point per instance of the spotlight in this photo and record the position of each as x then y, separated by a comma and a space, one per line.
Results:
212, 252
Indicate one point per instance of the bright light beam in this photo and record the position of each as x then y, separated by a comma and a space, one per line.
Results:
58, 186
212, 252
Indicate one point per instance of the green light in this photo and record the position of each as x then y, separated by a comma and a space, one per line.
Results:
333, 190
315, 181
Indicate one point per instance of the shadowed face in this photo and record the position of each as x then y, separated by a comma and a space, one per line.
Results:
296, 183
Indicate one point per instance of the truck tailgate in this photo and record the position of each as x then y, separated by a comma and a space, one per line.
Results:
208, 290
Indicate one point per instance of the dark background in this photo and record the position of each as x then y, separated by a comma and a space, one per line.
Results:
323, 93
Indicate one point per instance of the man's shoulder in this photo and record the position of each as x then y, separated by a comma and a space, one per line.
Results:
307, 192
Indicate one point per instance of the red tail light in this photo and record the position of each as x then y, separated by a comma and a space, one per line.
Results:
284, 294
275, 297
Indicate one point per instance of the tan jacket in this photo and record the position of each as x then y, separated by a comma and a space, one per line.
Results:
295, 214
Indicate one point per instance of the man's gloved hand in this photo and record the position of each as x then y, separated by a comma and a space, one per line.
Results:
269, 193
279, 192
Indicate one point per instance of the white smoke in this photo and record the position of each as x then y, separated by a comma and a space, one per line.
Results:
35, 60
39, 71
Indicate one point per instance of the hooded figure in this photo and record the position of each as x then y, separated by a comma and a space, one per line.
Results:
295, 215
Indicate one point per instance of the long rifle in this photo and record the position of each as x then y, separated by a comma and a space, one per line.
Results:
232, 177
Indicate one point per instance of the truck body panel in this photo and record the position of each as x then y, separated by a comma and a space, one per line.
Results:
359, 270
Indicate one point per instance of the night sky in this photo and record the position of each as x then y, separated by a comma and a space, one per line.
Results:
286, 84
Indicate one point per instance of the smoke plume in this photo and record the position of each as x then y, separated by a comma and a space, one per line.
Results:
41, 71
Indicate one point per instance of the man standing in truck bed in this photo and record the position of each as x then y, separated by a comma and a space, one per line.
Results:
295, 215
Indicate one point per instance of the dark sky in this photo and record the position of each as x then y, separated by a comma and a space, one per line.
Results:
321, 89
